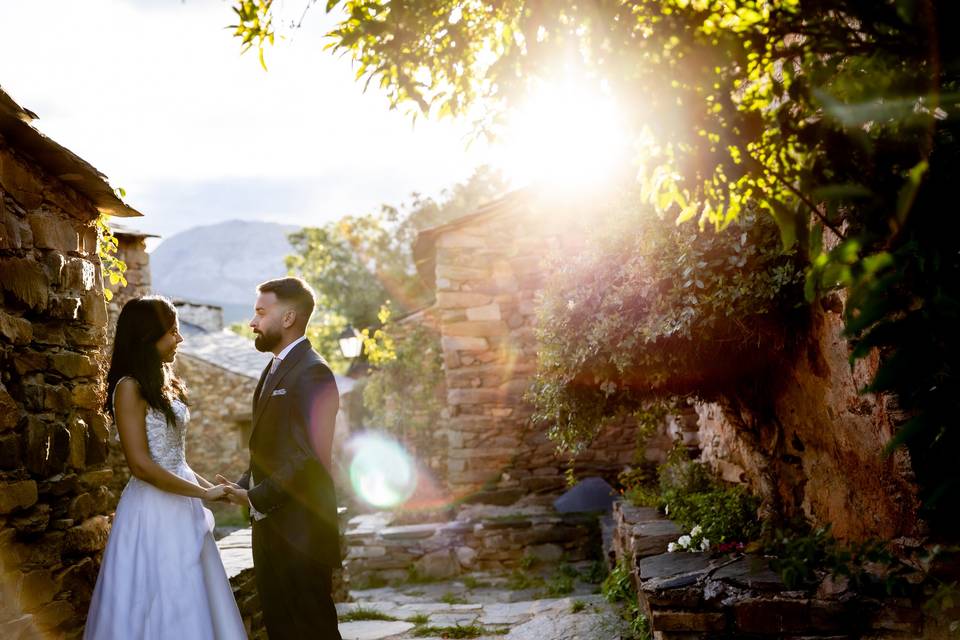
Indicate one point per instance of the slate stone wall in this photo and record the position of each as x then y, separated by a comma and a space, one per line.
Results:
53, 434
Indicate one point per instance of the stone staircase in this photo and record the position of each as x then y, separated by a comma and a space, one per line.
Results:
480, 605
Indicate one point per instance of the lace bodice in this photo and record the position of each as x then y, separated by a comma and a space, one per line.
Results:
167, 443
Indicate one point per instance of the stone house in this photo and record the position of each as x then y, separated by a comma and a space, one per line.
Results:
820, 456
53, 434
488, 269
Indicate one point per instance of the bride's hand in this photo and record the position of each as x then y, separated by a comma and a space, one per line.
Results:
217, 492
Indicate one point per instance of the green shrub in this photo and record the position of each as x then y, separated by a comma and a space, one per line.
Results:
618, 586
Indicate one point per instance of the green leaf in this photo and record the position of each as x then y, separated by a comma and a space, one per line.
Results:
786, 221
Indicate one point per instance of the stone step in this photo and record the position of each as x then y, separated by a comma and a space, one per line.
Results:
591, 618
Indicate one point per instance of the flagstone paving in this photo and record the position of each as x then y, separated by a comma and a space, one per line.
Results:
483, 601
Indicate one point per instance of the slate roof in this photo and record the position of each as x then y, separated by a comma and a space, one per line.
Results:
235, 353
58, 160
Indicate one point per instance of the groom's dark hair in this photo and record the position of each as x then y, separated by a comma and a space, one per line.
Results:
293, 290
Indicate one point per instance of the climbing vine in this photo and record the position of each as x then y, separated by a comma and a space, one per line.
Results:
114, 269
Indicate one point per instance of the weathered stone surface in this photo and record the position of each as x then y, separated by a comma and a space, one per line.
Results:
87, 396
64, 307
9, 410
652, 538
546, 553
25, 281
93, 309
53, 263
464, 343
473, 396
29, 362
411, 532
79, 274
37, 589
20, 182
766, 615
96, 478
9, 451
18, 628
47, 447
50, 232
454, 273
89, 537
81, 507
373, 629
466, 556
17, 495
485, 312
688, 621
461, 299
54, 613
751, 572
74, 365
34, 521
438, 565
672, 564
476, 329
15, 330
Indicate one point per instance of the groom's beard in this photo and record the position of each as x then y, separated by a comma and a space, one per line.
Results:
266, 341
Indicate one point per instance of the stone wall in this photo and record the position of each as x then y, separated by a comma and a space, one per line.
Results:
490, 539
53, 435
489, 272
816, 448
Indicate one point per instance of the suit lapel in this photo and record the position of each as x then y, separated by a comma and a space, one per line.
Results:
286, 365
256, 392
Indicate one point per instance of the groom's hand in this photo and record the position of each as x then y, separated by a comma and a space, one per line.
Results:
234, 492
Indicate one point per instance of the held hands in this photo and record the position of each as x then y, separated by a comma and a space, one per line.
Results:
215, 493
234, 492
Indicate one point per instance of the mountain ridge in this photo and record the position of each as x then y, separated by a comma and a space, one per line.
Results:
221, 263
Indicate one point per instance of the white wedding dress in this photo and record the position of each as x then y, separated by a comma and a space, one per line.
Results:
161, 575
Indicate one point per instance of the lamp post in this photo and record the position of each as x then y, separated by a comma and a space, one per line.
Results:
350, 342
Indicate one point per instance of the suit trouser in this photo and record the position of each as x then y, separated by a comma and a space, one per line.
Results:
295, 590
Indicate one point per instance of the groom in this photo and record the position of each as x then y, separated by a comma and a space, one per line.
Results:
289, 485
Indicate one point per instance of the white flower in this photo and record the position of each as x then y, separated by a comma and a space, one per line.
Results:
684, 541
672, 547
695, 531
704, 544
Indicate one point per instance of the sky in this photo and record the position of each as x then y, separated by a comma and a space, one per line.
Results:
155, 94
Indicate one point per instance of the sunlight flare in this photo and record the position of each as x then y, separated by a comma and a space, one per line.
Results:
381, 471
569, 136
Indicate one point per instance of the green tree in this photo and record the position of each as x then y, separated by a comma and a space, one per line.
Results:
359, 263
837, 118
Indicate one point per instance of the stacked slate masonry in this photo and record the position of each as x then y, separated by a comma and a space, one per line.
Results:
53, 434
488, 270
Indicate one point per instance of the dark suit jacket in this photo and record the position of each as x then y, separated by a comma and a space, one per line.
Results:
290, 455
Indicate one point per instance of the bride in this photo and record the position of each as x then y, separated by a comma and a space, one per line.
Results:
161, 575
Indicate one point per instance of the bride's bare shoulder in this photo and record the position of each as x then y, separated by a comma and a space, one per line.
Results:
128, 394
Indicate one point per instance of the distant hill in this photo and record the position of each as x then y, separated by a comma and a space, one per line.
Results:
221, 263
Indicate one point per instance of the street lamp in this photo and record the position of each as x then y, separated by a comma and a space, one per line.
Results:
350, 342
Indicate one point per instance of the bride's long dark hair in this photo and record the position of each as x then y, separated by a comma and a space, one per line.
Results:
142, 322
